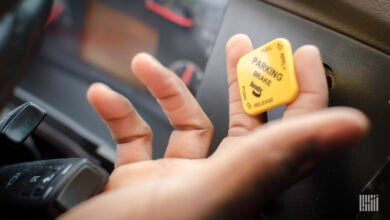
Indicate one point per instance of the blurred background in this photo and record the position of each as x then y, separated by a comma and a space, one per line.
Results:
86, 41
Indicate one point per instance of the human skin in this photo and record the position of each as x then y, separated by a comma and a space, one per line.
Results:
254, 163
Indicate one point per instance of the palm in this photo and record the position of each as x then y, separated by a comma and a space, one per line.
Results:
154, 171
187, 184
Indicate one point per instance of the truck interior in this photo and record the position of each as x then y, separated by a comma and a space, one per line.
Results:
51, 51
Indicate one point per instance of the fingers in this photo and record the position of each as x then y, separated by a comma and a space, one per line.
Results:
312, 82
193, 130
130, 131
276, 155
240, 123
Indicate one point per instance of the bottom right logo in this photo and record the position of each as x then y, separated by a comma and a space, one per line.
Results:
369, 203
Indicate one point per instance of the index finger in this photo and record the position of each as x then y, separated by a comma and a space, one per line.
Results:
240, 123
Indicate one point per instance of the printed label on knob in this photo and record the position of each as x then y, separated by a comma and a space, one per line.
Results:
266, 77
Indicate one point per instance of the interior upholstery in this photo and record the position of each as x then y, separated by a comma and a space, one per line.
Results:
365, 20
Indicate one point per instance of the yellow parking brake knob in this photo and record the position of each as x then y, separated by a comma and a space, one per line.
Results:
266, 77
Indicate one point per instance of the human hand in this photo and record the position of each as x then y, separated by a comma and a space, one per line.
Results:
255, 162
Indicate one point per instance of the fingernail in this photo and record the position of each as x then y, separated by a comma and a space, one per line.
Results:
102, 85
149, 57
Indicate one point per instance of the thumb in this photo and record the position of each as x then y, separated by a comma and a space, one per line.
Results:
274, 156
